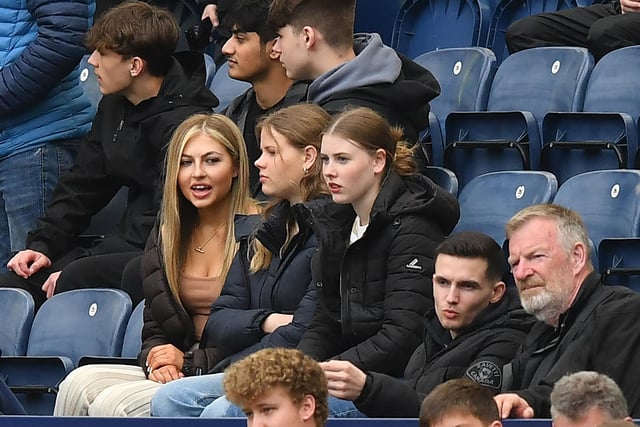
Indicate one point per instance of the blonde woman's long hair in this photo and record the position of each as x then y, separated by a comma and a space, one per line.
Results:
178, 217
301, 125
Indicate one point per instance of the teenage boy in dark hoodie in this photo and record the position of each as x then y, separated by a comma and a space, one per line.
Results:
316, 42
147, 92
474, 328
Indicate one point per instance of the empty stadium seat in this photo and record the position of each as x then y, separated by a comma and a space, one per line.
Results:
526, 86
67, 326
443, 177
16, 316
426, 25
608, 202
619, 262
605, 135
226, 88
465, 76
488, 201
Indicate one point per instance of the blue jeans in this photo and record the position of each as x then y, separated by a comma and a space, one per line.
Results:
27, 181
203, 396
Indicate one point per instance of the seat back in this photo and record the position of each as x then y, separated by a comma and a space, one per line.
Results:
132, 342
443, 177
607, 200
426, 25
541, 80
16, 316
465, 76
226, 88
619, 262
488, 201
80, 322
89, 82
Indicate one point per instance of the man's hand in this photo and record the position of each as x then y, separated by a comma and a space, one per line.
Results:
49, 285
345, 380
164, 355
211, 11
27, 262
512, 405
630, 6
165, 374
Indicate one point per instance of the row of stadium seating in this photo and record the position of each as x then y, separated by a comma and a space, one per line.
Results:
414, 27
546, 108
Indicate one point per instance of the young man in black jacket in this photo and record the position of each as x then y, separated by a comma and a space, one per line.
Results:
583, 324
147, 94
475, 326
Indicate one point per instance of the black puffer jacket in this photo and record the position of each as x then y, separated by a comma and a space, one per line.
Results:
477, 353
165, 320
126, 147
373, 294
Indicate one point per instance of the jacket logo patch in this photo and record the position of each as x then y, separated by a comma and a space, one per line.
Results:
414, 265
486, 373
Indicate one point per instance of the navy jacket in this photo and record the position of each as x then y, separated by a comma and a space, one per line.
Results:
234, 326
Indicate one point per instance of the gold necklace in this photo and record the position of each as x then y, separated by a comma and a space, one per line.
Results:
200, 249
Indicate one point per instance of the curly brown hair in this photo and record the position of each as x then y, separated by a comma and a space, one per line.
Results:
300, 375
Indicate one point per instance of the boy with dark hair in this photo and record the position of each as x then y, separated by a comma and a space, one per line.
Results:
459, 402
316, 42
474, 328
251, 58
147, 94
288, 383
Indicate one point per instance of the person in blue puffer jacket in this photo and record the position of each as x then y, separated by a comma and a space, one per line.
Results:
43, 111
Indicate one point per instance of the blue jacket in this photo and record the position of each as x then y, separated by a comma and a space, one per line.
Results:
234, 326
41, 44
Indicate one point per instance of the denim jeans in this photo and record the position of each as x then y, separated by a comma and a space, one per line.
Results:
203, 396
27, 181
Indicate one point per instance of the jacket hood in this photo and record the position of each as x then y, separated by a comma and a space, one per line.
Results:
374, 64
182, 85
416, 194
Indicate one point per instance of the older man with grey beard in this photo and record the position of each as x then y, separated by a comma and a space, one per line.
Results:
583, 325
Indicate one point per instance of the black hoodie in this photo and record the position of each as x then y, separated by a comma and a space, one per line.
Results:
477, 353
374, 293
126, 147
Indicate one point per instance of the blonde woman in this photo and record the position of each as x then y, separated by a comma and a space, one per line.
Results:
184, 266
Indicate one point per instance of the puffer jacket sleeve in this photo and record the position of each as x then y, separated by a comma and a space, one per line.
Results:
407, 296
56, 50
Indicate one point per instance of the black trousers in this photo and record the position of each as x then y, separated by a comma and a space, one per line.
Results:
102, 266
601, 28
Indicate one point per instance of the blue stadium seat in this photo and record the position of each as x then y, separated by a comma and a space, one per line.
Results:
226, 88
504, 12
527, 85
89, 82
488, 201
16, 316
67, 326
465, 76
425, 25
443, 177
605, 135
210, 66
619, 262
131, 343
608, 202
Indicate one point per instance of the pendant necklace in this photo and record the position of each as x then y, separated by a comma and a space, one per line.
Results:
200, 249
